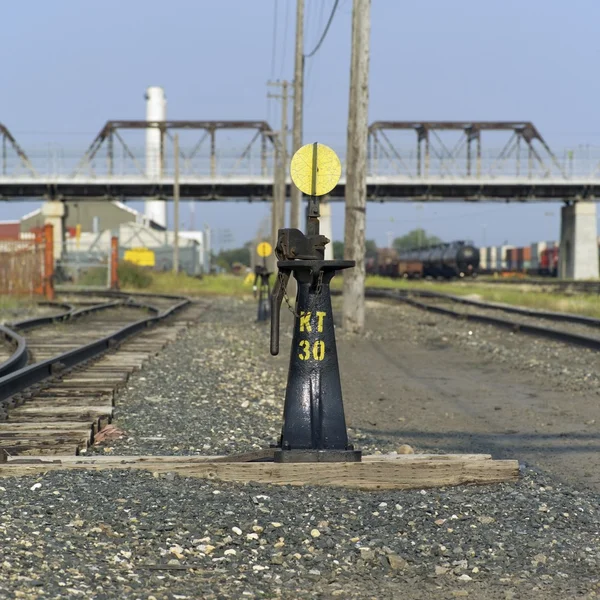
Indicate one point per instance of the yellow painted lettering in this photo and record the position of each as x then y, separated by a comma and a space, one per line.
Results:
319, 350
321, 316
305, 321
305, 350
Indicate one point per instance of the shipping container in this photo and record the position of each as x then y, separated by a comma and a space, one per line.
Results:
523, 259
483, 259
502, 257
536, 253
492, 258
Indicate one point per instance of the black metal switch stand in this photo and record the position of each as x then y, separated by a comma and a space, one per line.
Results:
261, 277
314, 425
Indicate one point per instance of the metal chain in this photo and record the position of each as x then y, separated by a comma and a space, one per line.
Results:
317, 292
286, 297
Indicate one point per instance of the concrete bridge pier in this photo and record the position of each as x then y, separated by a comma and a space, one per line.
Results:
578, 254
325, 228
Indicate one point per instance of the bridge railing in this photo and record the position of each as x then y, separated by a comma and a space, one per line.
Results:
58, 162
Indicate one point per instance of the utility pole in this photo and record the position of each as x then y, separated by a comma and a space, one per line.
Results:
295, 193
176, 204
356, 169
280, 166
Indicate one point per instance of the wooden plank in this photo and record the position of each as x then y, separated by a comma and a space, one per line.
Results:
68, 401
78, 412
403, 473
43, 436
15, 445
195, 458
49, 451
9, 426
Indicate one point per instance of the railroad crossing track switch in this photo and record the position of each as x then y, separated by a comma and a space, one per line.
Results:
261, 287
314, 425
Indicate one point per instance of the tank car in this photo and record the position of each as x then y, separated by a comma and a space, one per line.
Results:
456, 259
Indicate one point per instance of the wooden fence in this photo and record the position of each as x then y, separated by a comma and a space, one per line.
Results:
27, 266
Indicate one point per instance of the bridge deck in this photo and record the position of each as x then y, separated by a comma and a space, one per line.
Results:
379, 188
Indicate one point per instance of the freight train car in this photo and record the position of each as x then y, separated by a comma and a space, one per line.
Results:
456, 259
446, 261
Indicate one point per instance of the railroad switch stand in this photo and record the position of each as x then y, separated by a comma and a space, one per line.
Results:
314, 425
262, 290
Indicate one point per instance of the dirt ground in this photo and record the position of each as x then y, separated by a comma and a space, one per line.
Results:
423, 379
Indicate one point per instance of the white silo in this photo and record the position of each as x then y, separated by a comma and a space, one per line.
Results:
156, 110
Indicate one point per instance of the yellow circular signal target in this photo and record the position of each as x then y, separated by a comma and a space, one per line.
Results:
264, 249
315, 169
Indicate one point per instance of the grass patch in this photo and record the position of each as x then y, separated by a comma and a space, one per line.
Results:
130, 276
530, 297
209, 285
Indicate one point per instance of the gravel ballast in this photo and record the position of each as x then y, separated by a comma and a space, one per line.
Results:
122, 534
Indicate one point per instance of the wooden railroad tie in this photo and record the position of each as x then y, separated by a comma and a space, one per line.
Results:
375, 472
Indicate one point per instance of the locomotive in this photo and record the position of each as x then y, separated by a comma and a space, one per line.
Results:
454, 259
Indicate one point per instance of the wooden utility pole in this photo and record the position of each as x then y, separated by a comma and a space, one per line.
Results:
295, 193
356, 169
284, 154
176, 205
280, 163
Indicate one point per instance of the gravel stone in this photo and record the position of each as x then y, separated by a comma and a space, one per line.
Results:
135, 534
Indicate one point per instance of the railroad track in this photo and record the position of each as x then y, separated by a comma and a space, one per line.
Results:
574, 329
572, 287
59, 389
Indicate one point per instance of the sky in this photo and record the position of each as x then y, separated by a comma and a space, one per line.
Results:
70, 66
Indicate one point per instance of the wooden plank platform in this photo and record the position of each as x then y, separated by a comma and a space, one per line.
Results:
378, 472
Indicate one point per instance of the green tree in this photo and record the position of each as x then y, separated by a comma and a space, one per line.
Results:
417, 238
226, 258
370, 249
338, 250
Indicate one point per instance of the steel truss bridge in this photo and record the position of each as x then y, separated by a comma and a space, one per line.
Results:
407, 161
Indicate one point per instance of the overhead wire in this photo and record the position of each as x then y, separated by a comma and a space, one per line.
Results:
273, 58
285, 32
324, 35
274, 46
313, 26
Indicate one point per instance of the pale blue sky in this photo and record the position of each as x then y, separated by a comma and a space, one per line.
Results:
71, 65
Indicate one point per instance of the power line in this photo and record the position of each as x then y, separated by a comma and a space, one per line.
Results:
335, 5
285, 31
274, 47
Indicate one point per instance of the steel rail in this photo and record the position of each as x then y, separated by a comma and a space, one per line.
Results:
514, 326
592, 287
529, 312
18, 381
114, 293
71, 313
18, 359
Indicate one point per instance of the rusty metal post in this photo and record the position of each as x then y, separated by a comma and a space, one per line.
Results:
426, 136
49, 261
114, 262
469, 140
110, 155
375, 154
419, 158
263, 154
213, 158
478, 154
